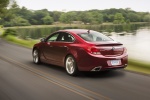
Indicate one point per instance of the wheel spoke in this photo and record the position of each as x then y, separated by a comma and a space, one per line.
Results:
72, 69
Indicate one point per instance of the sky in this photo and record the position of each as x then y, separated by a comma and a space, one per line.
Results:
82, 5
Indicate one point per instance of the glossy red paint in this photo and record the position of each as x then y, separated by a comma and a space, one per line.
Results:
90, 55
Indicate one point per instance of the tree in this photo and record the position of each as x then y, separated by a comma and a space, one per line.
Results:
11, 12
67, 17
38, 15
133, 17
25, 13
85, 17
47, 20
3, 4
14, 5
118, 18
97, 18
147, 18
17, 21
56, 15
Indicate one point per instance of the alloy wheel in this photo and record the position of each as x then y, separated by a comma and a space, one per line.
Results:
71, 67
36, 56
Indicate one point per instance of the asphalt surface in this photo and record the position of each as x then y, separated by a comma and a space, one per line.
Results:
21, 79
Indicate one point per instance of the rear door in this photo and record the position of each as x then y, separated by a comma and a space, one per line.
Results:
61, 47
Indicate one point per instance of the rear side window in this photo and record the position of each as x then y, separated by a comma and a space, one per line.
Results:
65, 37
94, 37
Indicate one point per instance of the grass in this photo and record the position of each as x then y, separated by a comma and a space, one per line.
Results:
1, 31
138, 69
134, 62
138, 66
25, 43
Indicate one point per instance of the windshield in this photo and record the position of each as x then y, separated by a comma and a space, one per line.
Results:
94, 37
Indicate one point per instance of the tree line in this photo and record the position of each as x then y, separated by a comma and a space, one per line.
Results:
21, 16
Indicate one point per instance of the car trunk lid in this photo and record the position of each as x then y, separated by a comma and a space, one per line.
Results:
110, 48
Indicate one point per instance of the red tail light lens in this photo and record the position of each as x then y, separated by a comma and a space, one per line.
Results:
93, 50
125, 50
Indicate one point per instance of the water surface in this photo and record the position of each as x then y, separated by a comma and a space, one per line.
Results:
137, 43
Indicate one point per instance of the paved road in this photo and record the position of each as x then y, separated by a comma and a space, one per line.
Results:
20, 79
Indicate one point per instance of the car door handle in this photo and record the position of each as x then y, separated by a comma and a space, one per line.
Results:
48, 43
66, 47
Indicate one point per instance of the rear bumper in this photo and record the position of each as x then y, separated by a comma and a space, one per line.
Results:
90, 62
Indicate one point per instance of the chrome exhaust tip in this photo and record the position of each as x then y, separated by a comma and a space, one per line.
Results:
96, 68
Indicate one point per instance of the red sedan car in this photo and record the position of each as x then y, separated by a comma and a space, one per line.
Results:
80, 50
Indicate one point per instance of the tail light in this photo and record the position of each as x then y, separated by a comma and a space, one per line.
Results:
93, 50
125, 50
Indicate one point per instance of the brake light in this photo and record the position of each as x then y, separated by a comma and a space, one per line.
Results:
93, 50
125, 50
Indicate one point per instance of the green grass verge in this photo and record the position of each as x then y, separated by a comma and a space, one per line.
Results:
138, 69
142, 64
138, 66
1, 31
134, 65
25, 43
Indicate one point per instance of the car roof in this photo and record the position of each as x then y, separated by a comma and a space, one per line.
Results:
76, 31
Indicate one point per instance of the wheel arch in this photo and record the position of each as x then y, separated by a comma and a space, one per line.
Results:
34, 49
70, 54
74, 54
76, 65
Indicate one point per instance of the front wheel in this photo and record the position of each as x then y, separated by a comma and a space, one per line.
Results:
71, 66
36, 58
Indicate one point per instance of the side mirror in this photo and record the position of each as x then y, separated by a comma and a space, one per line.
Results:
42, 40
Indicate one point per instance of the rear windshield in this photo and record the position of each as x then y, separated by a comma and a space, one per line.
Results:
94, 37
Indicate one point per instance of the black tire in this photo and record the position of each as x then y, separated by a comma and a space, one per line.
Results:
36, 57
71, 66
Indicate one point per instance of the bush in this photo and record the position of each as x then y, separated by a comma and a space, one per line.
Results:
1, 26
9, 32
18, 21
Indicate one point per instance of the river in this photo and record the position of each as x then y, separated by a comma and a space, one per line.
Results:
137, 43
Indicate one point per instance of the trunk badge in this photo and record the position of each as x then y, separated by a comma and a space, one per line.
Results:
113, 48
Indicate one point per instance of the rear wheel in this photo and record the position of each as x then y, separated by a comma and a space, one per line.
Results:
71, 66
36, 58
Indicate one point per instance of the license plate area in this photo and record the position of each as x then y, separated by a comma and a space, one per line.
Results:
115, 62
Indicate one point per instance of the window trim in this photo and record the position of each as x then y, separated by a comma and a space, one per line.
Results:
59, 33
